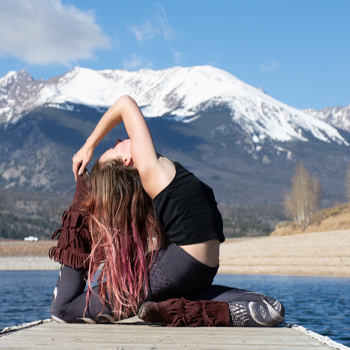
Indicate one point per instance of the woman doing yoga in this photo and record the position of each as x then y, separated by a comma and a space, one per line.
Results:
157, 230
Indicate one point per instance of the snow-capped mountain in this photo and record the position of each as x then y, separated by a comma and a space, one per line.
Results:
236, 138
336, 116
183, 93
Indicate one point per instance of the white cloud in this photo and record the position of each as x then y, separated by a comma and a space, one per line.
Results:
269, 67
178, 57
137, 62
157, 26
144, 31
46, 31
163, 23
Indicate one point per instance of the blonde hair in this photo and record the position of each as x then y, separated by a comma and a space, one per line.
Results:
124, 229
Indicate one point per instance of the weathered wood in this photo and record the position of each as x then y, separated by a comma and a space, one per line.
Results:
137, 335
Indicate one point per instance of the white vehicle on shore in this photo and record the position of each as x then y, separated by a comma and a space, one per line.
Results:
31, 239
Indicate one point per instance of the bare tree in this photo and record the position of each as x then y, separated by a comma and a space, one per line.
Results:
304, 197
347, 183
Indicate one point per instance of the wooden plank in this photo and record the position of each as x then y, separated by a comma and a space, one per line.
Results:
201, 338
217, 335
91, 331
141, 336
159, 345
121, 346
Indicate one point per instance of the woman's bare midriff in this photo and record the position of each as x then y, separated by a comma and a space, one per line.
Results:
205, 252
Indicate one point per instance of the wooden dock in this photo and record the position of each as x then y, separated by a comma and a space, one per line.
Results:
135, 334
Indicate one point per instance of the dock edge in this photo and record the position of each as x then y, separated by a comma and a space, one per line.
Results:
24, 325
321, 338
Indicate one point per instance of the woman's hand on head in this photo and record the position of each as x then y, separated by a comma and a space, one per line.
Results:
81, 159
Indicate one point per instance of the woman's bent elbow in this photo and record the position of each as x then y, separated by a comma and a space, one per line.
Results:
126, 100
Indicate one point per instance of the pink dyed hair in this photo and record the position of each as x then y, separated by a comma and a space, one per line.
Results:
125, 235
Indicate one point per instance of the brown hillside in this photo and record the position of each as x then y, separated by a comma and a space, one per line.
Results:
332, 219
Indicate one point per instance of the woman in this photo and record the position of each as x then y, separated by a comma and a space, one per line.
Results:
187, 211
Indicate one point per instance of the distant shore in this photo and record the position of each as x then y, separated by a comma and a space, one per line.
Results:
20, 255
308, 254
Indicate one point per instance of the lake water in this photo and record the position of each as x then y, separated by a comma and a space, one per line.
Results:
318, 303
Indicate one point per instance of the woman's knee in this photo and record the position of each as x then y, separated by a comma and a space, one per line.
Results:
68, 299
57, 309
275, 311
57, 313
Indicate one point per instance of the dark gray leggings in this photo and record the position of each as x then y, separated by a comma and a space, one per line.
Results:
174, 274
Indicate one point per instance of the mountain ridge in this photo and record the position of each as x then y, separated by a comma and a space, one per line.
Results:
337, 116
179, 93
240, 142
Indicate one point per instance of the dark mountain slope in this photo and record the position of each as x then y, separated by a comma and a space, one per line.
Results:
36, 152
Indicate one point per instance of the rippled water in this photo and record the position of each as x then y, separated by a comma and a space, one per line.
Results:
318, 303
321, 304
25, 296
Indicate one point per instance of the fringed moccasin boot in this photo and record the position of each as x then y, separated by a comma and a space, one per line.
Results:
186, 313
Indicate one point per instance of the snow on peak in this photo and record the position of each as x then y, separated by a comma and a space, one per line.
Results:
182, 92
336, 116
9, 75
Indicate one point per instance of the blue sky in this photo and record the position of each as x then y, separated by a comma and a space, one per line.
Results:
298, 51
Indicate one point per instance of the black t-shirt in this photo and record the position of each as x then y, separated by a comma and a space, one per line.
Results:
187, 210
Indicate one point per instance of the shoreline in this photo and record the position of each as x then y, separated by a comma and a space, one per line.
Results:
44, 264
308, 254
322, 254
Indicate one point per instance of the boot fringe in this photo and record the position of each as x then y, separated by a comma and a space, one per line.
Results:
72, 259
74, 241
196, 314
176, 310
200, 313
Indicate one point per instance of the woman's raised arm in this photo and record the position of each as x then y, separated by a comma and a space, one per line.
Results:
142, 148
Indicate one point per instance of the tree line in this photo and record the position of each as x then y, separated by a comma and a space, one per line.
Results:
24, 213
28, 213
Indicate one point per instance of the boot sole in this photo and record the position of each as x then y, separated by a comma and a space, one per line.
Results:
151, 318
143, 307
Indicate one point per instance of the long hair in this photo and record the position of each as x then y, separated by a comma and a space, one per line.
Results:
124, 233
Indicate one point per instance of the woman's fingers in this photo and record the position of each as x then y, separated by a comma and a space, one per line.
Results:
80, 161
82, 168
76, 166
